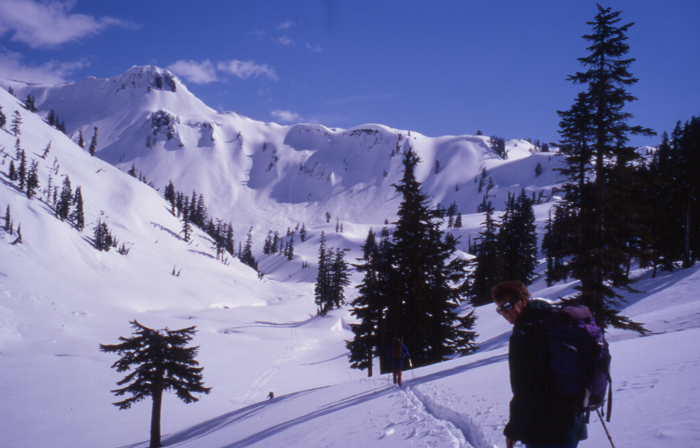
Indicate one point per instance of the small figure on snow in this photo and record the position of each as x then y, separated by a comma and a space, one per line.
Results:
540, 413
397, 350
270, 395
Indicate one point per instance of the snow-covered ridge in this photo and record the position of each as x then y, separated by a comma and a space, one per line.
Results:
256, 169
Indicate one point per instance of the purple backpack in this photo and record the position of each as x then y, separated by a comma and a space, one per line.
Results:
580, 358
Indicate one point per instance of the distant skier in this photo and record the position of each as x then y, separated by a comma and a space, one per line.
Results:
397, 350
270, 395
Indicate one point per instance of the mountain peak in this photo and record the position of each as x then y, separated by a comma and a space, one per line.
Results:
147, 77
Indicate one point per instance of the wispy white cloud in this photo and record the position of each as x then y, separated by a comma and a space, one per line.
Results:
246, 69
49, 23
284, 40
195, 72
285, 25
11, 67
286, 116
314, 48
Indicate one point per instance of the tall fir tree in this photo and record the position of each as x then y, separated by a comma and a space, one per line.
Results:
427, 278
369, 335
595, 133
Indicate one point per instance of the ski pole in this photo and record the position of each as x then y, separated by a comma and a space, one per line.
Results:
605, 427
410, 364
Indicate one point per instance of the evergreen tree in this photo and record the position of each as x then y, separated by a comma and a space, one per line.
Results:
32, 179
426, 279
132, 170
78, 213
8, 219
16, 122
93, 143
22, 171
104, 240
12, 171
498, 145
29, 103
3, 119
201, 211
161, 361
487, 272
290, 248
687, 148
554, 245
65, 200
229, 243
339, 279
596, 129
246, 256
186, 225
369, 341
302, 233
170, 194
517, 239
321, 290
267, 246
51, 118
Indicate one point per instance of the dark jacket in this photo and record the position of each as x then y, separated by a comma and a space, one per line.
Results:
402, 351
540, 414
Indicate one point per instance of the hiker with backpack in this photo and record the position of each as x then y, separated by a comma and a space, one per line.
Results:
554, 358
397, 350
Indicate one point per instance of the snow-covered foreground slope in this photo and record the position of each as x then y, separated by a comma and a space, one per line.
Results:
60, 298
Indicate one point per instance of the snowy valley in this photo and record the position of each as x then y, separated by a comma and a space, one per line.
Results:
259, 333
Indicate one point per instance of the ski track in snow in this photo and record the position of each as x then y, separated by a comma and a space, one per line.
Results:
255, 389
465, 432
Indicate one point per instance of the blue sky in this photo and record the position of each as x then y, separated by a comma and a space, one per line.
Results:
441, 67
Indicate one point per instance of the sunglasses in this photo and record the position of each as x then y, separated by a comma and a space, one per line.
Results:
506, 307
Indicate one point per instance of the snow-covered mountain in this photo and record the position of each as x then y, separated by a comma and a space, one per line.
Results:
255, 173
61, 297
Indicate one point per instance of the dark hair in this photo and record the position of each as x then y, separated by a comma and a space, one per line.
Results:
512, 288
